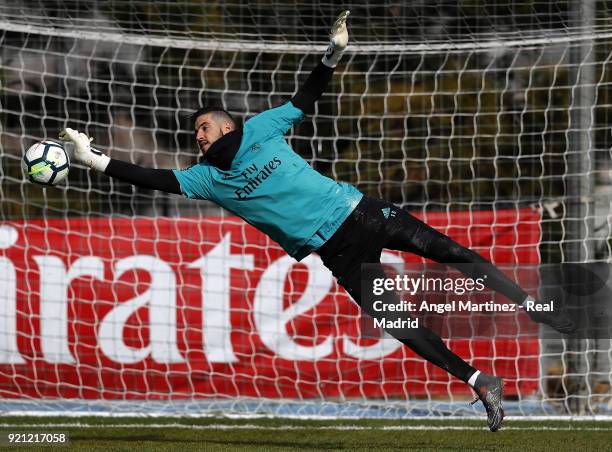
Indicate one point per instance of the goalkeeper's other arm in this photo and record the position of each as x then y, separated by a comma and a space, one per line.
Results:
317, 81
154, 179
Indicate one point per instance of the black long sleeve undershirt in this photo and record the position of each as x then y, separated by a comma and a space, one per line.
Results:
155, 179
312, 90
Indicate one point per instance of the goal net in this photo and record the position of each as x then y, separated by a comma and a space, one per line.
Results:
490, 120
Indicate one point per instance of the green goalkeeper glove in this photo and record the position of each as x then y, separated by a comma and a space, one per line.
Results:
83, 152
338, 40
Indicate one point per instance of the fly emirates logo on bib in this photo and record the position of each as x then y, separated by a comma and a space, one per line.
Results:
256, 176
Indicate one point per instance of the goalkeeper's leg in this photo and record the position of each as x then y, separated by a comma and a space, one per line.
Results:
422, 340
428, 345
408, 233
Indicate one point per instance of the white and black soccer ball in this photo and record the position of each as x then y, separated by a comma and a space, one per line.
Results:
45, 163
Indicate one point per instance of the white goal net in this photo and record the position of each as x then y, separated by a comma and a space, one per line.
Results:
489, 119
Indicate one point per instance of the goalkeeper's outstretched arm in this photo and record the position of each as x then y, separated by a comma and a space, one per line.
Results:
319, 78
164, 179
154, 179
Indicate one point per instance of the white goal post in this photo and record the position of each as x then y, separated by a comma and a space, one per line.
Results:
495, 128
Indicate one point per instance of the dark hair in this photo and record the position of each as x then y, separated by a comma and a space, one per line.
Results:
219, 113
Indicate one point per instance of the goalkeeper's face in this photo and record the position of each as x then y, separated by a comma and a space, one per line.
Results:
208, 129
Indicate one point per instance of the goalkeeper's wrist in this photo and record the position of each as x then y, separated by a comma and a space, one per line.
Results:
332, 55
96, 160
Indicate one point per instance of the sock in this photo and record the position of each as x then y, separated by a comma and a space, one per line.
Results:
529, 298
429, 346
472, 380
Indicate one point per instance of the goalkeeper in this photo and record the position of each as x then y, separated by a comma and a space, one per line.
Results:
253, 173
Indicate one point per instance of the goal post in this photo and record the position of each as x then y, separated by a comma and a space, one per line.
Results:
118, 300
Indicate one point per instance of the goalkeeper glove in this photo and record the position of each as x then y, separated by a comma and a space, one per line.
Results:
338, 41
83, 152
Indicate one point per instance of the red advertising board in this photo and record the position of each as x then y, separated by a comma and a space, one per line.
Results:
161, 308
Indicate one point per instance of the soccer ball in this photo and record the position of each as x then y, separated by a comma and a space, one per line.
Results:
45, 163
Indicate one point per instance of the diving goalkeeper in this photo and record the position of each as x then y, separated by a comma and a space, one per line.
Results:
253, 173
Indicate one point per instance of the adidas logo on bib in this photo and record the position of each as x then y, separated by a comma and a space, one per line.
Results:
387, 212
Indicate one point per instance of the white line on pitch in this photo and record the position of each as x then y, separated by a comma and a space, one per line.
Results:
289, 427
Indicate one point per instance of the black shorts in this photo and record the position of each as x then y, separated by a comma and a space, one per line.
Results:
373, 225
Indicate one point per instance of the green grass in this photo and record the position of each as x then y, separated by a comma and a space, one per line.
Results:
156, 434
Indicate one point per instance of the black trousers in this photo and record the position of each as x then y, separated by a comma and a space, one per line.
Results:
375, 225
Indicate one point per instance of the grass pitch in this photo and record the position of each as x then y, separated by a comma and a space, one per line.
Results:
222, 434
